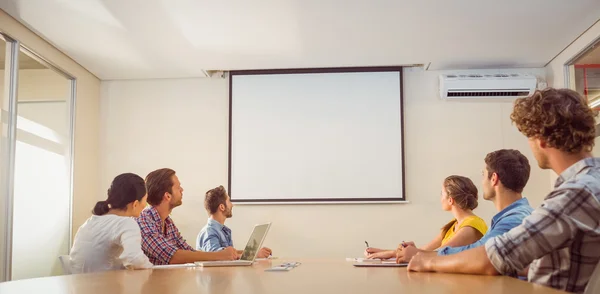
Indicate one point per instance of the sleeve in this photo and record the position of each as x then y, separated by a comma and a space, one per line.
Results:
209, 241
453, 250
130, 239
503, 226
476, 223
154, 244
548, 228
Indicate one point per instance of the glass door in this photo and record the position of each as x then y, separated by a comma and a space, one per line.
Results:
41, 228
8, 65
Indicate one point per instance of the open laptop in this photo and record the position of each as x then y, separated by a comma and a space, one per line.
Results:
249, 255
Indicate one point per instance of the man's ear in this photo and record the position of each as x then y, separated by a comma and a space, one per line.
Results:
167, 196
221, 207
542, 144
495, 179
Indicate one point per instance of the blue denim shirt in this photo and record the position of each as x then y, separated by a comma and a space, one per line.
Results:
502, 222
214, 237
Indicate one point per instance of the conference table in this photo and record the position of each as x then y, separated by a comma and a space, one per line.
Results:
312, 276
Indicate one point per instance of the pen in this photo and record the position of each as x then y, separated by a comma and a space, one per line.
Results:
403, 245
367, 244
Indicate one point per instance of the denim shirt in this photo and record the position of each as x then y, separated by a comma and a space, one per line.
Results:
502, 222
214, 237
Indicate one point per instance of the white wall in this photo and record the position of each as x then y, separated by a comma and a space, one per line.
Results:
183, 124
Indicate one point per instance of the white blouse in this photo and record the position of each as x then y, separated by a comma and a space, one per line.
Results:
108, 242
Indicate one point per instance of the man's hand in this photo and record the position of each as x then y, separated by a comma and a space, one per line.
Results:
405, 254
228, 253
421, 262
409, 243
382, 255
264, 252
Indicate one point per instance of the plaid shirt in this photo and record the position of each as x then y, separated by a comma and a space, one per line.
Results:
160, 246
560, 241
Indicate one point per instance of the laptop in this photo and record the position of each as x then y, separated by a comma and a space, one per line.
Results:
249, 255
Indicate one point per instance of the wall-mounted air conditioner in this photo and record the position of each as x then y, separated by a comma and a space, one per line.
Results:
502, 85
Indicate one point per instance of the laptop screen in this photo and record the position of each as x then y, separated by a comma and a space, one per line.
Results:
255, 242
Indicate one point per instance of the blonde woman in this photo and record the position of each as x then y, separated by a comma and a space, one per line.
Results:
459, 196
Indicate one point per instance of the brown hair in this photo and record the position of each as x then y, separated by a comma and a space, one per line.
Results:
561, 117
464, 193
511, 166
158, 183
214, 198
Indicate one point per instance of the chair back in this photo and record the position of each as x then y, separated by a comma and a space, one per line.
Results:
593, 285
65, 262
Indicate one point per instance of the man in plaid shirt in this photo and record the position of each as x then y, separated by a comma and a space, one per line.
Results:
161, 240
559, 244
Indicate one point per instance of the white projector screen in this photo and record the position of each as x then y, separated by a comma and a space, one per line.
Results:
327, 136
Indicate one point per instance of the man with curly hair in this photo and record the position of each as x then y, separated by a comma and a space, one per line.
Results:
559, 244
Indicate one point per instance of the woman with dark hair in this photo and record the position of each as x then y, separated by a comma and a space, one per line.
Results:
110, 239
459, 196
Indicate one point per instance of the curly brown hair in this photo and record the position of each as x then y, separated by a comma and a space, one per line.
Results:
559, 116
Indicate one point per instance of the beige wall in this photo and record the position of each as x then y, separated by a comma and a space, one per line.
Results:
183, 124
86, 171
40, 84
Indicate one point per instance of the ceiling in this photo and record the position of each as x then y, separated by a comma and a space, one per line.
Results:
25, 62
128, 39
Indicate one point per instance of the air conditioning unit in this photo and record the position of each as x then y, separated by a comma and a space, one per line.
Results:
502, 85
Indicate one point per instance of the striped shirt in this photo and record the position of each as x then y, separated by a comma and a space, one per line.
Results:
159, 245
560, 241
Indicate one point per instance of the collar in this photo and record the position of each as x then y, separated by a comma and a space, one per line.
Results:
216, 224
575, 169
155, 216
521, 202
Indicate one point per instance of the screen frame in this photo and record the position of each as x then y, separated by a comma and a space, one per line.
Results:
397, 69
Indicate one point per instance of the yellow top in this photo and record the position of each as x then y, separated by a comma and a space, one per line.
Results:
474, 222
